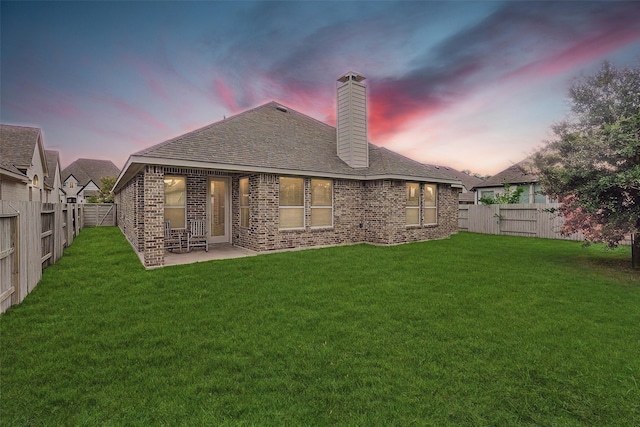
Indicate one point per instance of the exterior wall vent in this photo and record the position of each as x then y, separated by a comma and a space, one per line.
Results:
352, 142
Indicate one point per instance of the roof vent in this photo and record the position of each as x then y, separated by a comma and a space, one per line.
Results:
281, 108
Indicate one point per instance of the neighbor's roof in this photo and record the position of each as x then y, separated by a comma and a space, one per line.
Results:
468, 181
17, 145
85, 170
9, 171
53, 158
520, 173
273, 138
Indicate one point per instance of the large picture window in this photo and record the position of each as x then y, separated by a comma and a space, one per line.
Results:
291, 202
244, 202
430, 204
175, 199
413, 203
321, 203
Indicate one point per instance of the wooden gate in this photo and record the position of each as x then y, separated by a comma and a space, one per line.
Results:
9, 261
99, 214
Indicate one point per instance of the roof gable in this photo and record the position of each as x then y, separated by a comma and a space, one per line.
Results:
19, 144
86, 170
276, 138
53, 165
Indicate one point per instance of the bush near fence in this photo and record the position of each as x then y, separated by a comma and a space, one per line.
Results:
33, 236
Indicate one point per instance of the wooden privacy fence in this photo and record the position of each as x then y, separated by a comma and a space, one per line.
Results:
32, 237
528, 220
99, 214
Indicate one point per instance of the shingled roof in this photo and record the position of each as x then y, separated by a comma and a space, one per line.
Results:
7, 170
53, 158
17, 145
520, 173
468, 181
85, 170
275, 138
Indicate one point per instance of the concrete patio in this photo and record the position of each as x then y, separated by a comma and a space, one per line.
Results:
216, 251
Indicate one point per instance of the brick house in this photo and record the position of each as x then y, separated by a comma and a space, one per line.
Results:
83, 178
271, 178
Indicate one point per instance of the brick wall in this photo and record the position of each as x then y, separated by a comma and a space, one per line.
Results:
130, 201
369, 211
153, 216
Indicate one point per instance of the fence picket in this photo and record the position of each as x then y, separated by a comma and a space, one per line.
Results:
529, 220
33, 235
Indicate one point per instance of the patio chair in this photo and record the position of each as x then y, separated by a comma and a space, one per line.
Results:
171, 240
197, 235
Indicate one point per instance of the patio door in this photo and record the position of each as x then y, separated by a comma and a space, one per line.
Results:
219, 210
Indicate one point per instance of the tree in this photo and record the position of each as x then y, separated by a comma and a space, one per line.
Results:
508, 197
104, 194
592, 165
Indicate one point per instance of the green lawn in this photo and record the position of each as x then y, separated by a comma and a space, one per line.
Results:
472, 330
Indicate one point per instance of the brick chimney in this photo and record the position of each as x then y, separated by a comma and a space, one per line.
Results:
353, 147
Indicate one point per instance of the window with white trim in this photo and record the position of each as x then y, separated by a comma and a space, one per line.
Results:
321, 203
175, 203
244, 202
430, 204
291, 203
413, 203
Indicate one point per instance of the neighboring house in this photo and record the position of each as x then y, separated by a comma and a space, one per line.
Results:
521, 174
466, 196
53, 182
23, 165
272, 178
82, 178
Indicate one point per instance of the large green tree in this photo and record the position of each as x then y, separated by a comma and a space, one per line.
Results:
592, 165
104, 194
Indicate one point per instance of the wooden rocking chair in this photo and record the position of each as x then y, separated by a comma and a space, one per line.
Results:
171, 240
197, 235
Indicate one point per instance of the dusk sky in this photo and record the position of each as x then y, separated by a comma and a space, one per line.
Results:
472, 85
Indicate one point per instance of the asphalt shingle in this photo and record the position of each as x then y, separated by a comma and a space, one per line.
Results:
278, 137
17, 145
85, 170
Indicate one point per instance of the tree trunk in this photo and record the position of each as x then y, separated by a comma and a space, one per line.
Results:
635, 250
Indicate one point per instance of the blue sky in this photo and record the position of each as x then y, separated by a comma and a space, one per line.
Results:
472, 85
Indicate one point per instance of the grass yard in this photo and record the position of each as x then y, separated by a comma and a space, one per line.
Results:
472, 330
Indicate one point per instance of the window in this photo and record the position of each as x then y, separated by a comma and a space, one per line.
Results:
175, 201
36, 181
524, 196
71, 184
321, 203
413, 203
244, 202
430, 204
291, 202
538, 195
487, 195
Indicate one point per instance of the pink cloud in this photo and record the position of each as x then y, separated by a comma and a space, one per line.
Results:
227, 95
579, 53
